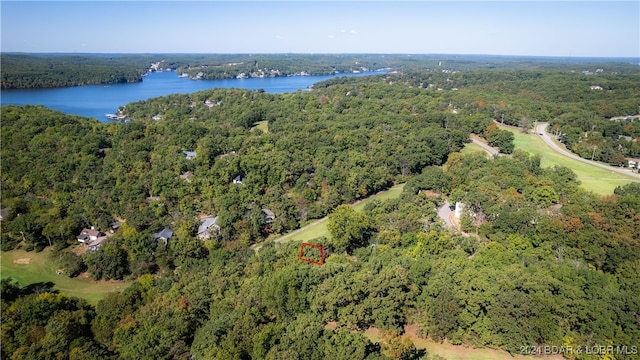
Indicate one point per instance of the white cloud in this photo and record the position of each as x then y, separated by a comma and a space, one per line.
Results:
354, 32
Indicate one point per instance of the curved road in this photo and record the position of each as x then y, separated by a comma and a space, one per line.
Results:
541, 130
492, 151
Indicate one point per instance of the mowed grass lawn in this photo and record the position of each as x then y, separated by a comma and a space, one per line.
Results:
31, 267
593, 178
473, 148
320, 227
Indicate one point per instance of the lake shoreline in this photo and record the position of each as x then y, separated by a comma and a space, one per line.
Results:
95, 101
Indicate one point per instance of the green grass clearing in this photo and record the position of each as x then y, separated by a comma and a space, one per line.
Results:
592, 178
392, 193
313, 232
473, 148
320, 227
31, 267
262, 125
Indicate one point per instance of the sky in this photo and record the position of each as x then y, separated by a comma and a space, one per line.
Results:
526, 28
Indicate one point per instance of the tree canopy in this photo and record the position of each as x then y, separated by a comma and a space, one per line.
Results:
538, 260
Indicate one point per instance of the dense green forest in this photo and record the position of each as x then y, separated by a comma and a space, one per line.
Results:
595, 112
539, 261
22, 71
538, 274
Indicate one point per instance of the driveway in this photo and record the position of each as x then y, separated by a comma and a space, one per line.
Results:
444, 213
541, 130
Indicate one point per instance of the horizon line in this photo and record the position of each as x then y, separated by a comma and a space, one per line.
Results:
315, 53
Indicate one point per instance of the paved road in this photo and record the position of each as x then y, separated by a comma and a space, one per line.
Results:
486, 147
541, 130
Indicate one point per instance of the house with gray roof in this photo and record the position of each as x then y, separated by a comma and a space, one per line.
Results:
208, 227
163, 236
268, 216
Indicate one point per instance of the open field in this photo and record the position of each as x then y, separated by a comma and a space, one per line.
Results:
393, 193
473, 148
262, 125
454, 352
318, 228
30, 267
593, 178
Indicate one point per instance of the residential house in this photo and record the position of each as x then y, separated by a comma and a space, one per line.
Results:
238, 180
189, 155
88, 235
115, 226
231, 153
163, 236
92, 238
268, 216
94, 245
208, 227
211, 104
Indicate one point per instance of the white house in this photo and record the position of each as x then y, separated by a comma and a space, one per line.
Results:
88, 235
458, 211
208, 227
189, 155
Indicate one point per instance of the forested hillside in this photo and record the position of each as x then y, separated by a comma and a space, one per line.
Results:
546, 274
29, 71
322, 149
538, 261
594, 110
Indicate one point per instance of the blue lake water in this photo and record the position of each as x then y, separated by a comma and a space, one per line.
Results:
98, 100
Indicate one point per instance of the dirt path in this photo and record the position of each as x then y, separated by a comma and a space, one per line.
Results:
541, 130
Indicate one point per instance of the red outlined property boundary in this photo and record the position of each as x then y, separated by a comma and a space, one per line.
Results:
311, 261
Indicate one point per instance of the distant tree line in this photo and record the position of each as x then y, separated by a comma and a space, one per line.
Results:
34, 71
58, 70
